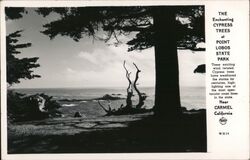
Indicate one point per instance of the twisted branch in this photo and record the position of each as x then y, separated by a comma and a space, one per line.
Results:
129, 89
141, 98
106, 110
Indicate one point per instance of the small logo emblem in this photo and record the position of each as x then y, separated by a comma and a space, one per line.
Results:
223, 120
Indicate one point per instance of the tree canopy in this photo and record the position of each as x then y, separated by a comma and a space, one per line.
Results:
18, 68
14, 12
114, 21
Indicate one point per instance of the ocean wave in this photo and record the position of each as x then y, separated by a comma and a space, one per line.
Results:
69, 105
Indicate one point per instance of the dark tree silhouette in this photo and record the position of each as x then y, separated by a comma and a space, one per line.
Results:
14, 12
200, 69
21, 107
166, 28
18, 68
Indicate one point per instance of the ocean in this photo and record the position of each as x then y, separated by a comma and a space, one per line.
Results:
191, 97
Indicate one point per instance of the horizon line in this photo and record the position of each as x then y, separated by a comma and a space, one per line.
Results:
91, 87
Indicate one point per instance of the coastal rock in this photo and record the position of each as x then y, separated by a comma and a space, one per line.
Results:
108, 97
78, 114
41, 103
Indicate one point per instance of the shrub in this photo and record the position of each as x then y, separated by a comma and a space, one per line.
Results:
21, 107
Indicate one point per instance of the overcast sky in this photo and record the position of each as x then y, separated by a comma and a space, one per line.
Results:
88, 63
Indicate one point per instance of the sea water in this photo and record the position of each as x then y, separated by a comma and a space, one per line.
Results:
191, 97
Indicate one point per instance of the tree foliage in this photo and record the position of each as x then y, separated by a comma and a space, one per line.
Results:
23, 107
18, 68
200, 69
14, 12
114, 21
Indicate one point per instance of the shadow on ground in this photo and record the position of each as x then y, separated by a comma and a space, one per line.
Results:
113, 135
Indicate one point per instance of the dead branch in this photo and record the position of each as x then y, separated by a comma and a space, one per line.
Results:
128, 108
106, 110
129, 89
141, 97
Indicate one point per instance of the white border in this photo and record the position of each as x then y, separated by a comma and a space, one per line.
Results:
211, 154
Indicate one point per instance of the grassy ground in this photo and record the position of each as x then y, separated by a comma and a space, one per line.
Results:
127, 133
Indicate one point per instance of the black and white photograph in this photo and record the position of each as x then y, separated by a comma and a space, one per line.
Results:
106, 79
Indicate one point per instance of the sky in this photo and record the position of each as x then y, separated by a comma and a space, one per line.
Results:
88, 63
